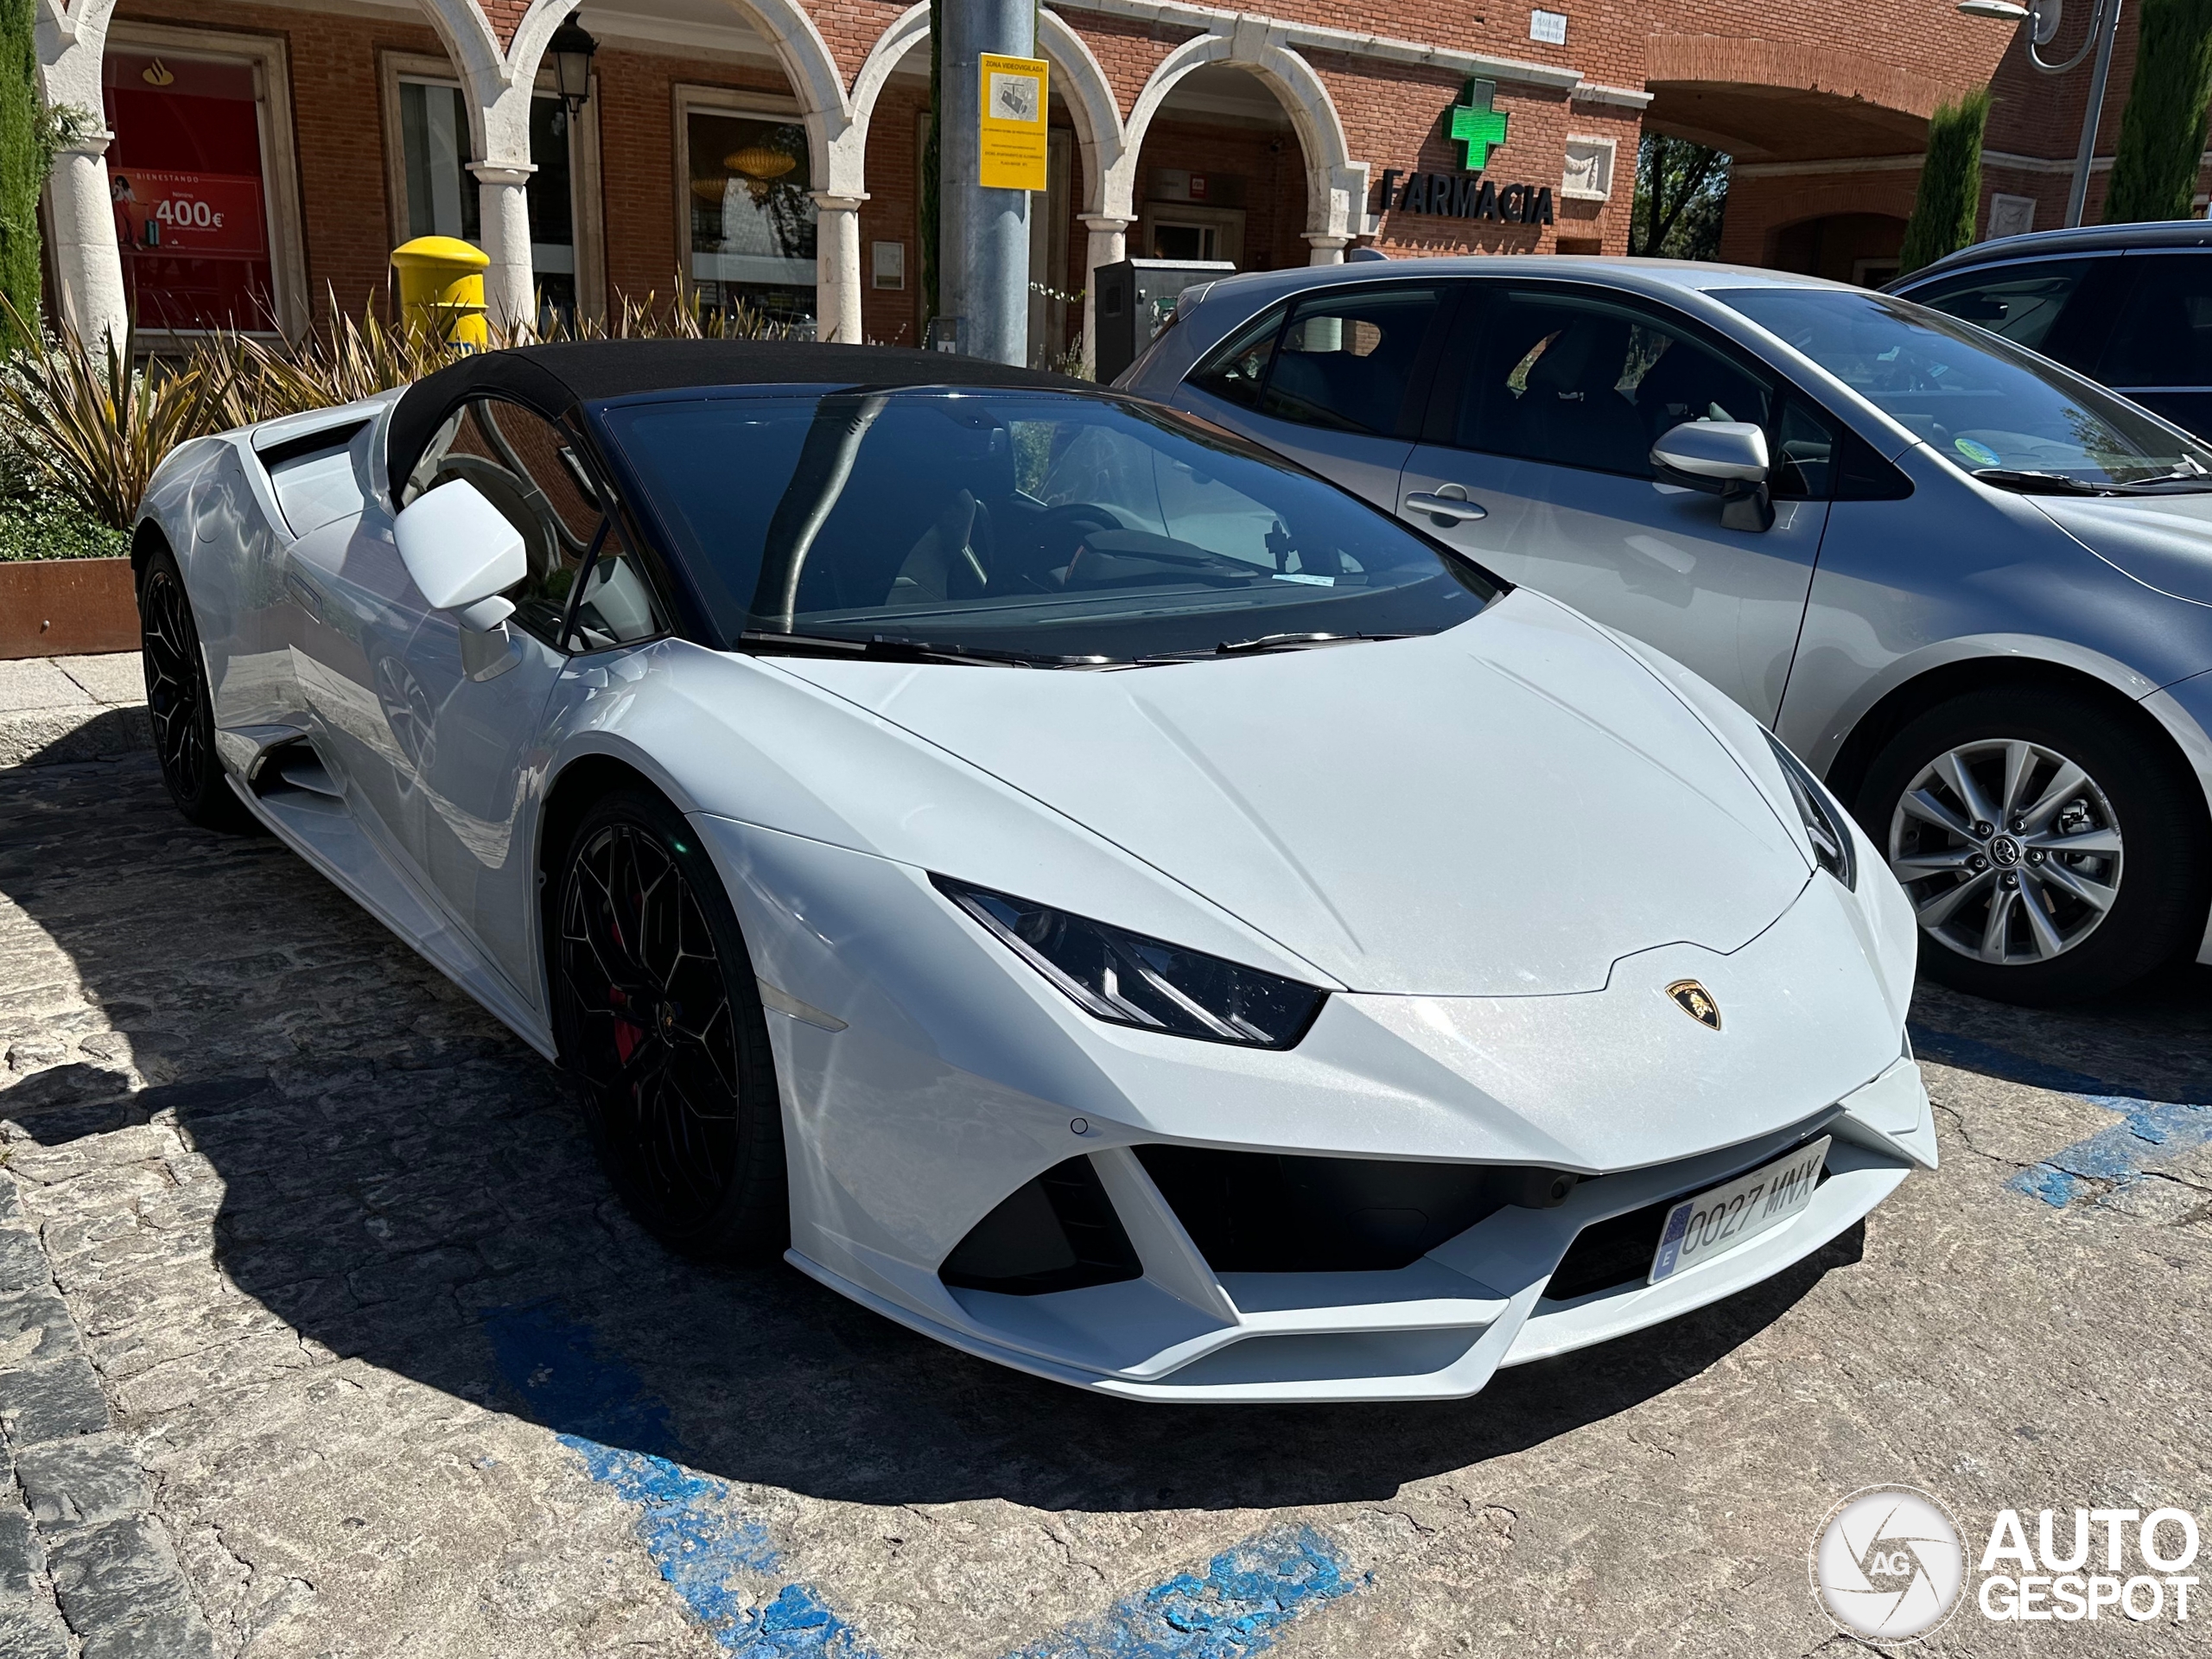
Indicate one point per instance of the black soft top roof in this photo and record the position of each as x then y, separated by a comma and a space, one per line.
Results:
553, 380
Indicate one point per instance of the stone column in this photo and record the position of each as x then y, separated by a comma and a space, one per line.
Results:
1327, 249
509, 287
1108, 245
87, 259
837, 268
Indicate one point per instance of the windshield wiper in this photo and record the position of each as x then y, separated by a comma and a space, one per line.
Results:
2196, 477
1262, 644
1295, 642
2036, 483
885, 648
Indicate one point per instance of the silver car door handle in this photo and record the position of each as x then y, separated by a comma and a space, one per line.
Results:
1457, 508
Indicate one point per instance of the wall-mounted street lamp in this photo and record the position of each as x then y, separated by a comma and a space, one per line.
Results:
571, 50
2042, 17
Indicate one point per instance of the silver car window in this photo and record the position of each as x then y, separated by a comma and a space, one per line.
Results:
1984, 404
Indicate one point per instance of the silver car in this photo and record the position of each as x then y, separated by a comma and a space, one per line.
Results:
1972, 588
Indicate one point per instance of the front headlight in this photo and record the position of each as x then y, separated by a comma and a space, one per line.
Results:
1825, 823
1127, 979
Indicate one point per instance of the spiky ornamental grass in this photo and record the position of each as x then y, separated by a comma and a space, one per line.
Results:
92, 421
2162, 130
1951, 182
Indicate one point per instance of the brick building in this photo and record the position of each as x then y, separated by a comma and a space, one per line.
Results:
256, 160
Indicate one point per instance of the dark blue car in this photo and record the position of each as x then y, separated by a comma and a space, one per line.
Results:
2130, 305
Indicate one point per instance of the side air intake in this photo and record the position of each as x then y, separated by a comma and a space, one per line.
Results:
1056, 1232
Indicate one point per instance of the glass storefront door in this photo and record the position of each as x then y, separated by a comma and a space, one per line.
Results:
191, 201
752, 232
442, 194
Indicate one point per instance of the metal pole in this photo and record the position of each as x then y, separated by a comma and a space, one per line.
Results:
985, 274
2077, 195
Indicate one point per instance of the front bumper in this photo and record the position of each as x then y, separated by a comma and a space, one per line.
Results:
1436, 1329
930, 1076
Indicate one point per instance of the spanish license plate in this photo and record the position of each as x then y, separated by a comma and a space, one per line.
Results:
1701, 1228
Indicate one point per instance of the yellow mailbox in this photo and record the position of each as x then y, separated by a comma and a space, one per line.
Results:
442, 285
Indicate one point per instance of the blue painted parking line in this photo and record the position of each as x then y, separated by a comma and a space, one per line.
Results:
735, 1582
1236, 1604
718, 1559
2151, 1131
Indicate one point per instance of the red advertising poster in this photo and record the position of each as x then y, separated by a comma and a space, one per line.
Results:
189, 214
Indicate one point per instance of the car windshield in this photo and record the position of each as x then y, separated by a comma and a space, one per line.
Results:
1038, 525
1985, 405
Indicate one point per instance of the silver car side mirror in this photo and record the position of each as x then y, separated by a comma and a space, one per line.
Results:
460, 551
1724, 458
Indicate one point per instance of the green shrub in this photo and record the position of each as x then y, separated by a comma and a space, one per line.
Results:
2162, 130
1944, 205
24, 159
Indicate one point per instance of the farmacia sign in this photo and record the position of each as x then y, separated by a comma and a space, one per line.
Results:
1478, 129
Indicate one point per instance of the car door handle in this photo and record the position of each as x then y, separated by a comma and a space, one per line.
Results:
1457, 508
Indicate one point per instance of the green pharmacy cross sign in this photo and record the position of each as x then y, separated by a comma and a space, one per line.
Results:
1475, 124
1478, 126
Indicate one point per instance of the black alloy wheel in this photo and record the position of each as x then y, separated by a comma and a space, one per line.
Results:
2053, 849
659, 1019
178, 702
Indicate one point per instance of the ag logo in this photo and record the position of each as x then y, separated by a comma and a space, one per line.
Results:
1887, 1564
1697, 1001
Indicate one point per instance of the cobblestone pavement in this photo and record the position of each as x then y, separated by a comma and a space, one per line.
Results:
320, 1336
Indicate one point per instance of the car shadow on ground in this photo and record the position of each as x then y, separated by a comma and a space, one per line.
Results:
406, 1183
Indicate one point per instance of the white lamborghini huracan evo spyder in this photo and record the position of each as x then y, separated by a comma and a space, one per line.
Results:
1070, 881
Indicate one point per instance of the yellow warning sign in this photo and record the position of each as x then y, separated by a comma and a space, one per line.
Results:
1011, 143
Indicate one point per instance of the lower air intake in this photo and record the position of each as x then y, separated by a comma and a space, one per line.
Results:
1272, 1213
1056, 1232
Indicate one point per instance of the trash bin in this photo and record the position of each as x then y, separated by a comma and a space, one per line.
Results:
441, 286
1133, 302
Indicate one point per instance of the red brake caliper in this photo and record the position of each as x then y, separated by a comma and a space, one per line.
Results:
627, 1036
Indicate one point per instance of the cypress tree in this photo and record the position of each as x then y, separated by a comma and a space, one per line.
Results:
25, 154
2162, 130
1951, 182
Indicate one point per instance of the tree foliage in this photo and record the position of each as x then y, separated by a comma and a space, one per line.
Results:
26, 153
2162, 130
1682, 192
1944, 205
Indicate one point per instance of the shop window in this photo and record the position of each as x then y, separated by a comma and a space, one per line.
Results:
440, 196
187, 177
750, 218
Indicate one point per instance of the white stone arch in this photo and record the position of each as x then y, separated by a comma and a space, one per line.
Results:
1099, 132
1336, 185
1100, 137
498, 83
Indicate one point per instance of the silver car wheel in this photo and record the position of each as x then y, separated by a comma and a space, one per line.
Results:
2009, 851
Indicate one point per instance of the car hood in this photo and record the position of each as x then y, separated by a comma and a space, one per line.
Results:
1505, 808
2163, 541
